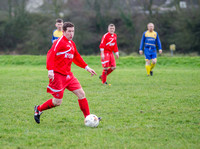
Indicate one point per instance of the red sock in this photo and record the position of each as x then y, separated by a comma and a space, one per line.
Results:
109, 71
83, 103
104, 76
47, 105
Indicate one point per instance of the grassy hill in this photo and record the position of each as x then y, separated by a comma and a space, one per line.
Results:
95, 60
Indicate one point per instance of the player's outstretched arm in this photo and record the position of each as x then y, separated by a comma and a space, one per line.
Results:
50, 61
116, 49
51, 75
90, 70
159, 44
117, 54
142, 44
102, 53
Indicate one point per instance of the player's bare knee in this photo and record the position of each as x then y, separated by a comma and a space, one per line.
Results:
79, 93
154, 61
113, 68
105, 68
147, 62
57, 102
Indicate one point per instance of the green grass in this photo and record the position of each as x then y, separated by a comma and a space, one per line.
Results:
162, 111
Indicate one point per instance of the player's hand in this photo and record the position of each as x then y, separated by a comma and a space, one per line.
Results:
141, 52
117, 55
160, 51
51, 75
91, 71
102, 56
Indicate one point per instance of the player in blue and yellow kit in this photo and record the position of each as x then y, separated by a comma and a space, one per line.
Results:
150, 40
57, 33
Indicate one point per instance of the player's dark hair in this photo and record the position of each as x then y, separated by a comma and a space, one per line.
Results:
59, 20
111, 25
66, 25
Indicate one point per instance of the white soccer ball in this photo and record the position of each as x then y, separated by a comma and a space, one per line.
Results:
91, 121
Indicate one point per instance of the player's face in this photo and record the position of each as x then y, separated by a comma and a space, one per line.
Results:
59, 26
150, 27
69, 33
111, 29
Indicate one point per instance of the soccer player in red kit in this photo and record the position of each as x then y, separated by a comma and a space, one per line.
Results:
107, 47
59, 59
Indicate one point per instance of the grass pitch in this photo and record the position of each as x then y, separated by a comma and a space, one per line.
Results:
162, 111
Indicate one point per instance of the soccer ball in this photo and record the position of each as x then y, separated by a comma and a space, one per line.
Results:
91, 121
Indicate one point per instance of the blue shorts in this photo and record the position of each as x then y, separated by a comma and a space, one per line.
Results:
150, 56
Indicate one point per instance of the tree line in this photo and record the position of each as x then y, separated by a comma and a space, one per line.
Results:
24, 32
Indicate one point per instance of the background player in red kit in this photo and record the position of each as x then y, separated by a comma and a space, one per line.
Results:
59, 59
107, 46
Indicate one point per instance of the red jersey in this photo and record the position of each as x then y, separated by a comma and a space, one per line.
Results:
61, 55
109, 43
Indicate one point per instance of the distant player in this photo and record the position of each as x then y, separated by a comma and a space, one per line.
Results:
57, 33
107, 46
59, 59
150, 40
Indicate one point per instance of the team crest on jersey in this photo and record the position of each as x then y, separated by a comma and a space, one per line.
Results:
68, 77
57, 95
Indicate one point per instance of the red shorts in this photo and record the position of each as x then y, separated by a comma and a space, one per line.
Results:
62, 82
109, 60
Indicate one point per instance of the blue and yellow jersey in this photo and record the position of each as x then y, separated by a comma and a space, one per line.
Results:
149, 41
56, 34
